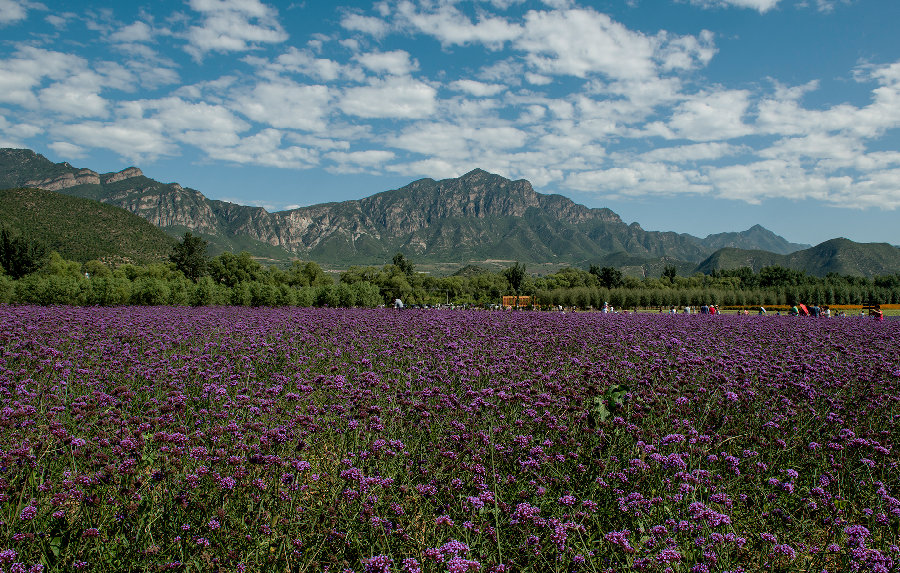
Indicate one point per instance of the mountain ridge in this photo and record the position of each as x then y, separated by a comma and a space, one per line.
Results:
476, 217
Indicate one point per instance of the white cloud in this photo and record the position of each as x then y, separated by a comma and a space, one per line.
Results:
397, 63
584, 42
201, 124
77, 96
29, 68
711, 116
359, 161
12, 11
476, 88
265, 148
12, 134
287, 105
401, 98
366, 24
755, 182
137, 32
133, 139
434, 168
457, 143
59, 20
453, 28
837, 150
695, 152
538, 79
233, 26
783, 113
762, 6
639, 178
685, 52
68, 150
306, 63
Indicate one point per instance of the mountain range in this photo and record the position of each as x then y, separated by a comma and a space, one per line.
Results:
477, 217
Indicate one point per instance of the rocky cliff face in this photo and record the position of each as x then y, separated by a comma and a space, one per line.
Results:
65, 180
81, 177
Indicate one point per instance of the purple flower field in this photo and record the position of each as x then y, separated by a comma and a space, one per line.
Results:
238, 439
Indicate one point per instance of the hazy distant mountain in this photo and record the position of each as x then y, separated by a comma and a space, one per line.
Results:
841, 256
476, 217
755, 238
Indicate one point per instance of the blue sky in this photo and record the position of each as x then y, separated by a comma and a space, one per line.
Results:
696, 116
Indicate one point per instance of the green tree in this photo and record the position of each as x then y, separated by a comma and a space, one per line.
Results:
608, 277
19, 256
96, 269
189, 256
404, 264
230, 269
515, 275
670, 272
315, 276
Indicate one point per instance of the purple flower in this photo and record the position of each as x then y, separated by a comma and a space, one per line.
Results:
411, 565
378, 564
28, 513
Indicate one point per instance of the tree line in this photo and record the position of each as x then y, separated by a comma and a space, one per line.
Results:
32, 274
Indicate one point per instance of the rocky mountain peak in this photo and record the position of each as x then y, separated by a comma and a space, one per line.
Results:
127, 173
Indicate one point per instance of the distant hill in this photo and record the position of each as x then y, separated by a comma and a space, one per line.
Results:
82, 229
841, 256
756, 237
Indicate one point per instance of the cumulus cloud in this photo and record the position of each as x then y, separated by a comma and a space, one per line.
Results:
638, 179
476, 88
12, 11
287, 105
359, 161
233, 26
265, 148
762, 6
685, 52
68, 150
77, 96
583, 42
133, 139
401, 98
306, 63
711, 116
460, 144
693, 153
137, 32
770, 178
29, 68
366, 24
397, 62
453, 28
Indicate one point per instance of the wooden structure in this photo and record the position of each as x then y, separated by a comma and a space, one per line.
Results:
516, 301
